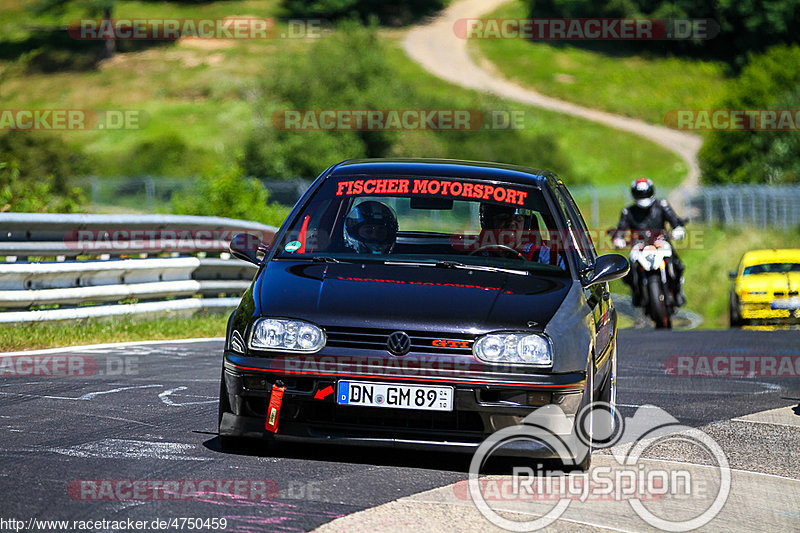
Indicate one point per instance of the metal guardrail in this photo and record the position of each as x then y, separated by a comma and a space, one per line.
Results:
56, 267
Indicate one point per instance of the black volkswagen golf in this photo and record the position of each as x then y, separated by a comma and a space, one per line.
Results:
420, 303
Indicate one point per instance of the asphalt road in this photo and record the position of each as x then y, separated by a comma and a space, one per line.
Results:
148, 412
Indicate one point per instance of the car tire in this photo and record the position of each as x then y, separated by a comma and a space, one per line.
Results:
605, 424
226, 443
583, 433
734, 317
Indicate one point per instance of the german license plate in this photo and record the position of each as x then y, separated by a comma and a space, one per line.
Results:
424, 397
789, 303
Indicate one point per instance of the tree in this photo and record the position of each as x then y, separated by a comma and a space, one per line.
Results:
770, 81
93, 8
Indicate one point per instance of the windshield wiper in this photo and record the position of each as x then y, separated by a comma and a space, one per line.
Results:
449, 264
487, 268
324, 259
456, 264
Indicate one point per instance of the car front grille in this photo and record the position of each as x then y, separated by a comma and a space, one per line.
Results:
782, 294
421, 341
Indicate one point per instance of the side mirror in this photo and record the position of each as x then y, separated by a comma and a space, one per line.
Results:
608, 268
245, 246
732, 275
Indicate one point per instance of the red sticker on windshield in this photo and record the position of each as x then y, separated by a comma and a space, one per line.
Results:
432, 187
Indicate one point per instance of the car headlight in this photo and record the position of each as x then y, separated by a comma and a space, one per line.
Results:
514, 348
286, 335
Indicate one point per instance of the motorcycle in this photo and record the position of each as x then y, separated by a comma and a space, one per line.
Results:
652, 276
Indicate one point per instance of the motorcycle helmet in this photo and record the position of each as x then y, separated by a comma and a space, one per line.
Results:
370, 228
643, 192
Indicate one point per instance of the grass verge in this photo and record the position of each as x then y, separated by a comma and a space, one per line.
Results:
645, 86
75, 333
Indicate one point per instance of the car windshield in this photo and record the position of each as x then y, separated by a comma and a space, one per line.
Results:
445, 222
771, 268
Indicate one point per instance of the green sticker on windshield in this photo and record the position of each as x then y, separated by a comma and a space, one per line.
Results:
292, 246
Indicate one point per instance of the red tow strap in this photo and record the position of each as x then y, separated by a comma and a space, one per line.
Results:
274, 408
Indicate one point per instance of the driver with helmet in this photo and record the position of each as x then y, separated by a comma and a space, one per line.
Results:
370, 228
506, 218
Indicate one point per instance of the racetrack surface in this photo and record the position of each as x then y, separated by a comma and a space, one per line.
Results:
155, 419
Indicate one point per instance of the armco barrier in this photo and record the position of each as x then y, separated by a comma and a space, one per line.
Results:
56, 267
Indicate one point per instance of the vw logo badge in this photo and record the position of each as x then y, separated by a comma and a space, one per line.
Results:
399, 343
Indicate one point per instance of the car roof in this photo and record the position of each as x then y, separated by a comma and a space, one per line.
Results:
479, 170
755, 257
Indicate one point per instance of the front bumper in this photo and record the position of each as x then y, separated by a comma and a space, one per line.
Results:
765, 311
480, 407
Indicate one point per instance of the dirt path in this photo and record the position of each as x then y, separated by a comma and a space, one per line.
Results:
436, 47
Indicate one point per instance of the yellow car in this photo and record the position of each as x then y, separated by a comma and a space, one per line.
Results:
765, 287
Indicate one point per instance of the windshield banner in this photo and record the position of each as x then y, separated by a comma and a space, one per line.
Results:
431, 187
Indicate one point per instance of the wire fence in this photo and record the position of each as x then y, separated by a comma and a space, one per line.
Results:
760, 206
733, 205
154, 194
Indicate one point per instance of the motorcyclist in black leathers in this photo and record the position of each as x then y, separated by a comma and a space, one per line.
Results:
647, 213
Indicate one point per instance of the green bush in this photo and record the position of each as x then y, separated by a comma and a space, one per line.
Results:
770, 81
21, 195
36, 170
232, 195
39, 155
165, 155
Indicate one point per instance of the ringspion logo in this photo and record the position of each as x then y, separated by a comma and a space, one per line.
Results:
654, 490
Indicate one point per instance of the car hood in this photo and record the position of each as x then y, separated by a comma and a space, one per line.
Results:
413, 297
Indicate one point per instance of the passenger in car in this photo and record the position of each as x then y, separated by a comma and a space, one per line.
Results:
523, 230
